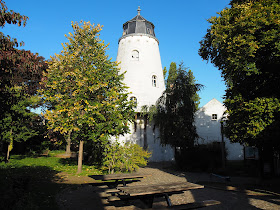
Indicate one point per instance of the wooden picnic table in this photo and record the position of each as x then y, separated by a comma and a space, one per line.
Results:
146, 193
118, 177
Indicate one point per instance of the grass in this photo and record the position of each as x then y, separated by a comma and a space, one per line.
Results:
68, 166
33, 182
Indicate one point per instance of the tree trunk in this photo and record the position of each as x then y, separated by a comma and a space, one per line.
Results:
145, 133
8, 153
178, 156
68, 146
135, 123
10, 145
80, 158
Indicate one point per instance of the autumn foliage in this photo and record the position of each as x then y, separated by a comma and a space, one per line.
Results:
84, 93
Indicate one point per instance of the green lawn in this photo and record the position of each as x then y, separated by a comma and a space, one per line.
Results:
33, 182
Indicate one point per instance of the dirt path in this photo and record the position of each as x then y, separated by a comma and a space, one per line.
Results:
87, 194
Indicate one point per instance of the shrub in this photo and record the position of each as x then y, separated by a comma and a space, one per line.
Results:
124, 158
205, 157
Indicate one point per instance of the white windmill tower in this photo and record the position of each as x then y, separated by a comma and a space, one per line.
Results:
139, 57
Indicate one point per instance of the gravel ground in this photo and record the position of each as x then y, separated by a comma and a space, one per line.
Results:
92, 196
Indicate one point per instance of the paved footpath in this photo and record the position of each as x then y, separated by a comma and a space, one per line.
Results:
233, 195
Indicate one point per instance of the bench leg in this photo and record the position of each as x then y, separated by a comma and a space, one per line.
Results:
116, 183
124, 183
167, 199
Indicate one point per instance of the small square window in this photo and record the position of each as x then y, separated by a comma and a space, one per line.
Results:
214, 117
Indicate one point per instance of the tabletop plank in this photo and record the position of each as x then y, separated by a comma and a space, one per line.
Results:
118, 176
158, 188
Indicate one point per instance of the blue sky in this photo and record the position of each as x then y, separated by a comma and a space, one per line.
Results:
179, 26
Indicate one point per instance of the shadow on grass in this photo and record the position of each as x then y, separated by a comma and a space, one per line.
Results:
31, 187
73, 161
19, 157
69, 161
27, 187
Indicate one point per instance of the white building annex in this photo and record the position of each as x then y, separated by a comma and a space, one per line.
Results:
208, 126
139, 57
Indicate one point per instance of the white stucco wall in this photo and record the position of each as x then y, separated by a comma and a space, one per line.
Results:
152, 142
210, 130
139, 73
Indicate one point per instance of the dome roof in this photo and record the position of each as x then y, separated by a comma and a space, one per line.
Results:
138, 25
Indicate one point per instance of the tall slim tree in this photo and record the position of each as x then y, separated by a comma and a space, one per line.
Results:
84, 91
172, 74
196, 98
176, 108
21, 72
164, 71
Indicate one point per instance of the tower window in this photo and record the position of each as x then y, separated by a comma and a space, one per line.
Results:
134, 99
149, 31
214, 117
135, 55
154, 80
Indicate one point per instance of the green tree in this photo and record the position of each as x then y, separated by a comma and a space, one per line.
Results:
244, 43
172, 74
164, 70
175, 109
84, 91
21, 72
196, 98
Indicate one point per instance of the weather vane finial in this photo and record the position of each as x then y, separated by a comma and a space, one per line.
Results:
138, 10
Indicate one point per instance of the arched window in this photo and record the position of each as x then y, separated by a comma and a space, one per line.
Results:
134, 99
135, 55
154, 80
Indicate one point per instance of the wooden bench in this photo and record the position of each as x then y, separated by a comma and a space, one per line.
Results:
117, 178
146, 193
